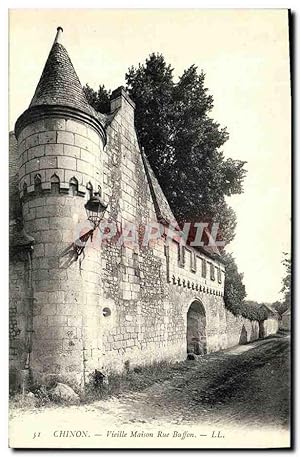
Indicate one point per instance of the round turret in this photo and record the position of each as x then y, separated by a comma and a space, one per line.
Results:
60, 146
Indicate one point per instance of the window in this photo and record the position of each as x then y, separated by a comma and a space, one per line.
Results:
193, 262
181, 255
219, 276
106, 312
73, 186
212, 272
38, 183
188, 258
203, 268
54, 184
89, 190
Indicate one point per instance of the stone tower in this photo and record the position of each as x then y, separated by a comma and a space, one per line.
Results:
60, 149
120, 304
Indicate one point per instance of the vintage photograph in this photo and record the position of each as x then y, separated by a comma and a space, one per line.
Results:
149, 228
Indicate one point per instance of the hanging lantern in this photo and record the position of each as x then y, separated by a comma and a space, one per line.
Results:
95, 209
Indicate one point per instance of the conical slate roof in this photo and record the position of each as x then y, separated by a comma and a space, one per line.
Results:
59, 83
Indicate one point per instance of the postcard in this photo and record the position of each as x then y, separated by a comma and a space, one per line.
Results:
149, 222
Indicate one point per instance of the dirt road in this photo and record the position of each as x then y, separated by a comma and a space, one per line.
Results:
246, 386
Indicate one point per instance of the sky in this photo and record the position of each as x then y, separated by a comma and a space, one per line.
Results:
245, 56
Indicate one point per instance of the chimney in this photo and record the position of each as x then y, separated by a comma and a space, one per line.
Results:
120, 99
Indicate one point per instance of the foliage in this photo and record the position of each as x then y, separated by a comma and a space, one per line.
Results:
99, 100
286, 282
234, 289
131, 380
280, 307
235, 293
254, 311
182, 142
42, 396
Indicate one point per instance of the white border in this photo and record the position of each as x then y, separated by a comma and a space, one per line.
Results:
4, 6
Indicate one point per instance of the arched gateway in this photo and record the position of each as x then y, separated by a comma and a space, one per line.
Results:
196, 329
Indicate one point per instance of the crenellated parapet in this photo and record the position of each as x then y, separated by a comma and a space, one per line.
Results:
196, 285
59, 155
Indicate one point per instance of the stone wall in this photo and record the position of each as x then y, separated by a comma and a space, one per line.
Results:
18, 276
240, 330
146, 289
134, 278
19, 310
122, 303
59, 147
271, 326
189, 281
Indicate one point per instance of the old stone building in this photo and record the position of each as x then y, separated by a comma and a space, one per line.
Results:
113, 304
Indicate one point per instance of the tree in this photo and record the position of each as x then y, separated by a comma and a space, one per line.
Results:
254, 311
235, 293
280, 307
182, 142
286, 282
234, 289
151, 88
99, 100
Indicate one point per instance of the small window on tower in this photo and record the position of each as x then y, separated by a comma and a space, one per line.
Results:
38, 183
90, 190
73, 186
55, 184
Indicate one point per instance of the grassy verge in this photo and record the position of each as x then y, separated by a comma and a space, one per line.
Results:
132, 380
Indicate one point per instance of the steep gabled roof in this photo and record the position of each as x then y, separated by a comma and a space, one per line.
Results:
59, 83
270, 311
163, 211
161, 205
